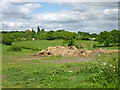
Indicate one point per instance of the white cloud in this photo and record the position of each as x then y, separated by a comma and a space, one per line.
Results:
11, 10
91, 17
60, 1
12, 24
15, 0
27, 8
110, 11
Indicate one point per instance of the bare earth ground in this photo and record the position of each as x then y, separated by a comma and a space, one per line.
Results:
29, 58
63, 60
72, 60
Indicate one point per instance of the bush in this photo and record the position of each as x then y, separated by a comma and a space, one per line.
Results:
14, 48
104, 71
70, 42
8, 41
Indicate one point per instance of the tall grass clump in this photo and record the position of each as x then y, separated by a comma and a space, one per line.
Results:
14, 48
31, 48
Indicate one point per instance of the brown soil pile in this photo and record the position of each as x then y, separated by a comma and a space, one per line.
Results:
64, 51
101, 50
72, 51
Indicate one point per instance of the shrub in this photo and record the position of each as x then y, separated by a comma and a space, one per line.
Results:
8, 41
104, 71
14, 48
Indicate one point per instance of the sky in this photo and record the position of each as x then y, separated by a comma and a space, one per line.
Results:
92, 17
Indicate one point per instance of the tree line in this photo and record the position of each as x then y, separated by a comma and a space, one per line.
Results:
104, 37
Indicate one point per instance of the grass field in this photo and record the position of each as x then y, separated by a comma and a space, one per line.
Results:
19, 71
43, 44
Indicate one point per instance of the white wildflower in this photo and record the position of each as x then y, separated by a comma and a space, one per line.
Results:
114, 70
99, 55
104, 64
110, 65
69, 71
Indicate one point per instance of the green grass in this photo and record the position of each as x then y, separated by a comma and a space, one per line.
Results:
40, 74
43, 44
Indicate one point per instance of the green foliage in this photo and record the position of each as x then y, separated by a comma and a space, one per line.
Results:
42, 30
108, 38
115, 36
7, 39
105, 72
70, 39
104, 37
84, 35
14, 48
38, 30
28, 34
93, 35
33, 34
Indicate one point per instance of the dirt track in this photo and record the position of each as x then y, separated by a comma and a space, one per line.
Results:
72, 60
77, 55
63, 60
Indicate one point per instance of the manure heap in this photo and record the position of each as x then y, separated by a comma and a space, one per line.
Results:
64, 51
72, 51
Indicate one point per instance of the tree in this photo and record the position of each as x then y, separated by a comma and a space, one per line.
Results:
115, 36
7, 39
42, 30
69, 38
33, 33
84, 35
104, 37
38, 30
50, 35
28, 34
93, 35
